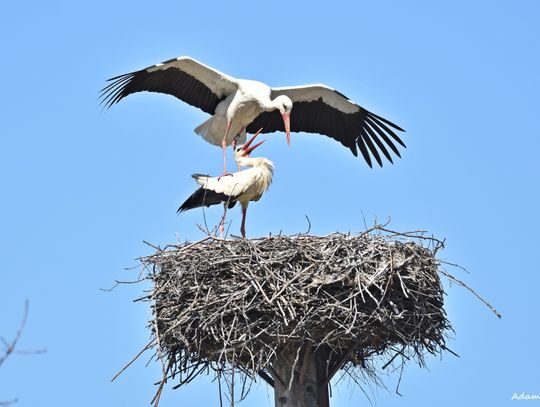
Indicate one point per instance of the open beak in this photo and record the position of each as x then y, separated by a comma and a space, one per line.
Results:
246, 147
287, 123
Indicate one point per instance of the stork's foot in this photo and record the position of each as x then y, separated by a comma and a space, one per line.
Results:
221, 230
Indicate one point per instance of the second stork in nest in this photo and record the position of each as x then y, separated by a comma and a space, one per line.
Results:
242, 186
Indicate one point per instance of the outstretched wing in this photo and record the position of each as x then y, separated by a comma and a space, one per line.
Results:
186, 78
323, 110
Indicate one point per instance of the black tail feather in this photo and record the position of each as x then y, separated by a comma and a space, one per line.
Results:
205, 197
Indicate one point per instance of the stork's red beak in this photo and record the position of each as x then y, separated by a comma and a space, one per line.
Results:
246, 147
287, 123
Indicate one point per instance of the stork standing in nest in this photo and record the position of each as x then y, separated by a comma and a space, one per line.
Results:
242, 186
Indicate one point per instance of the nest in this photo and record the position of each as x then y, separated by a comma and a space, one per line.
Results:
222, 304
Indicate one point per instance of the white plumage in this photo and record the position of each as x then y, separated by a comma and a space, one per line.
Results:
239, 105
242, 186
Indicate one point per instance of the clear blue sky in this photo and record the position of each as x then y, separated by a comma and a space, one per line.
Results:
82, 188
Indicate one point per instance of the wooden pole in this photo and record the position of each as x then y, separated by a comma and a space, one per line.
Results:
300, 377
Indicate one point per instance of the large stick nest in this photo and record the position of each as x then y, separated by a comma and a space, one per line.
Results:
221, 303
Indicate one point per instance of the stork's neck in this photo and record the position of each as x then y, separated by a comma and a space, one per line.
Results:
278, 103
256, 162
271, 105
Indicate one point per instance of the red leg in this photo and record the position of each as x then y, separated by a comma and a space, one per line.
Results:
222, 223
243, 227
224, 146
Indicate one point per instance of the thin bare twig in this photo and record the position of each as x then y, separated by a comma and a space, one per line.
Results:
10, 347
461, 283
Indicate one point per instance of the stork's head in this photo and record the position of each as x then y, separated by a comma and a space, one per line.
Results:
244, 150
284, 105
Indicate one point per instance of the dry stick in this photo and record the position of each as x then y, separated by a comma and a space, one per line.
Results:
118, 282
152, 246
449, 350
393, 358
160, 355
157, 396
288, 283
10, 347
219, 391
454, 265
232, 384
309, 226
244, 391
148, 345
461, 283
254, 281
148, 259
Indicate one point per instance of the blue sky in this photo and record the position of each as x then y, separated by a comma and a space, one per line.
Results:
82, 188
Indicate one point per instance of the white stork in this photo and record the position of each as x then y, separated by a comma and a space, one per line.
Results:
238, 105
242, 186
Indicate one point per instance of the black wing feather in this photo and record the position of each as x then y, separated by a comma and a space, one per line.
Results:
374, 120
384, 136
371, 146
206, 197
364, 151
379, 143
171, 81
362, 130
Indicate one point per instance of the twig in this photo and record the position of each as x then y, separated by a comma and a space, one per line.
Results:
461, 283
10, 346
118, 282
148, 345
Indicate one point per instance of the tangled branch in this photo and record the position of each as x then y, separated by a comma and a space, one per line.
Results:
232, 305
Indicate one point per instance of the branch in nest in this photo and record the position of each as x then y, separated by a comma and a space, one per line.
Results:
232, 304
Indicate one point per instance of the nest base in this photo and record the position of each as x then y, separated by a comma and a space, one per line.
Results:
296, 309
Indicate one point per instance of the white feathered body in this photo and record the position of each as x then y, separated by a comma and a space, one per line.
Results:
240, 108
242, 186
244, 103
